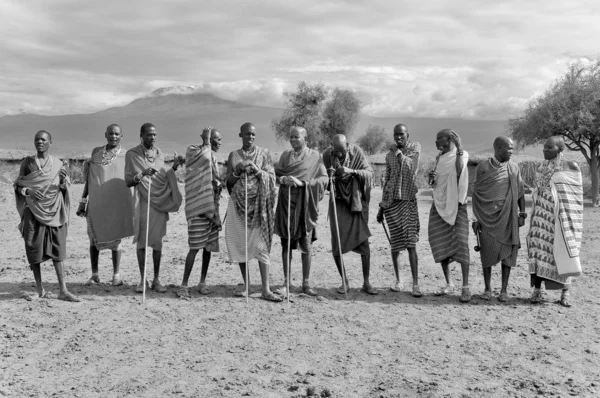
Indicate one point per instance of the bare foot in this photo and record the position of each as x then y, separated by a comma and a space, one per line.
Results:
67, 296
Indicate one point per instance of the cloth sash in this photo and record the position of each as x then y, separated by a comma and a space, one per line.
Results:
311, 171
449, 191
110, 202
53, 209
356, 188
568, 190
495, 206
199, 196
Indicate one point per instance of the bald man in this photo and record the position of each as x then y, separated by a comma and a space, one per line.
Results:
352, 175
448, 227
202, 195
399, 203
499, 207
302, 178
108, 220
555, 232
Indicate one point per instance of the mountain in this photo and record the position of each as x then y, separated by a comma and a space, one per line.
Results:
179, 115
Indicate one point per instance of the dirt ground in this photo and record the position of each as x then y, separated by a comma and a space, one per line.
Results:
390, 345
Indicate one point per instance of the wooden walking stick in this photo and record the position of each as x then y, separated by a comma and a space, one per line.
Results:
386, 231
146, 247
337, 230
246, 234
289, 243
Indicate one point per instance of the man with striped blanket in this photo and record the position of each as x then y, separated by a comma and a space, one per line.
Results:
498, 206
399, 203
108, 220
202, 194
251, 180
302, 178
42, 197
448, 227
555, 232
142, 163
352, 181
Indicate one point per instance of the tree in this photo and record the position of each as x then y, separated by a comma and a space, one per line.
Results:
340, 116
374, 140
304, 107
570, 108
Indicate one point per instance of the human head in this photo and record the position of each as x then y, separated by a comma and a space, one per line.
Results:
340, 147
297, 138
215, 140
553, 146
42, 141
148, 134
400, 135
113, 135
503, 149
445, 138
248, 134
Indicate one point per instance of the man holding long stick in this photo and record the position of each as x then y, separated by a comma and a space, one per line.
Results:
352, 186
42, 197
399, 204
302, 178
147, 160
251, 185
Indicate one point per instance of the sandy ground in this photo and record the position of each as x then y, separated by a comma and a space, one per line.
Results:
390, 345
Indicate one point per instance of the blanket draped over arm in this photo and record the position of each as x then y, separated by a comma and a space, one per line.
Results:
53, 209
311, 171
199, 196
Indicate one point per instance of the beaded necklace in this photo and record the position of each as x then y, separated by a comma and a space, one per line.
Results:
248, 154
109, 156
149, 154
41, 168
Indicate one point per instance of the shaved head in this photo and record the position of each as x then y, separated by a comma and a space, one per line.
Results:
298, 129
400, 127
501, 141
339, 140
558, 140
503, 149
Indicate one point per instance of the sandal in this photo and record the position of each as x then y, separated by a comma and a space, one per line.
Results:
271, 297
116, 280
445, 290
536, 296
183, 293
202, 289
564, 298
309, 291
503, 297
416, 291
465, 296
397, 286
370, 290
340, 289
487, 295
95, 279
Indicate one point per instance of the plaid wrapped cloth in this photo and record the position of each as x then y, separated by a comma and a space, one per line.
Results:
401, 167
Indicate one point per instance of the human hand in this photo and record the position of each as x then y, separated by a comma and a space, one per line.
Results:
380, 215
81, 210
521, 221
295, 182
178, 160
476, 227
150, 171
343, 172
38, 195
330, 172
251, 168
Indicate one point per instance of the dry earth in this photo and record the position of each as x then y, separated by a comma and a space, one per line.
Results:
390, 345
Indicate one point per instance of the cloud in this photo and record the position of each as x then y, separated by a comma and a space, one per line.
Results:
435, 58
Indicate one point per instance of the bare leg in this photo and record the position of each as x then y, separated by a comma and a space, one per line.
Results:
206, 255
141, 253
94, 256
306, 263
242, 293
264, 276
64, 294
189, 265
37, 275
487, 280
284, 261
414, 264
338, 264
465, 274
505, 277
446, 270
395, 255
366, 269
116, 260
156, 285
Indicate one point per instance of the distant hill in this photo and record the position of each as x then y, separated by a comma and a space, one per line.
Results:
179, 119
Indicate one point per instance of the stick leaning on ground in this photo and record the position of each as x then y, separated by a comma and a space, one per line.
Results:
337, 230
246, 233
146, 246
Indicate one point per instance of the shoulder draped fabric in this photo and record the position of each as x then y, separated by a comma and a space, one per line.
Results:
199, 195
352, 196
53, 209
311, 171
495, 201
401, 175
165, 197
261, 193
449, 190
110, 204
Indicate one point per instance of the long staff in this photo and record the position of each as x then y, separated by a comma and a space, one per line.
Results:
337, 230
146, 247
246, 234
289, 243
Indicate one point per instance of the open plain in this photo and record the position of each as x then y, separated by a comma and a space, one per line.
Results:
390, 345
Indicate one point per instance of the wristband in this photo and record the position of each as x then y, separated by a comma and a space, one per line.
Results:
24, 191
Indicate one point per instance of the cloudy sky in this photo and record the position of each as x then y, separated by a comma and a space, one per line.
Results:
435, 58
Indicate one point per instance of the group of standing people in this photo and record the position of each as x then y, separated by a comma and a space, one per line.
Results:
131, 193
